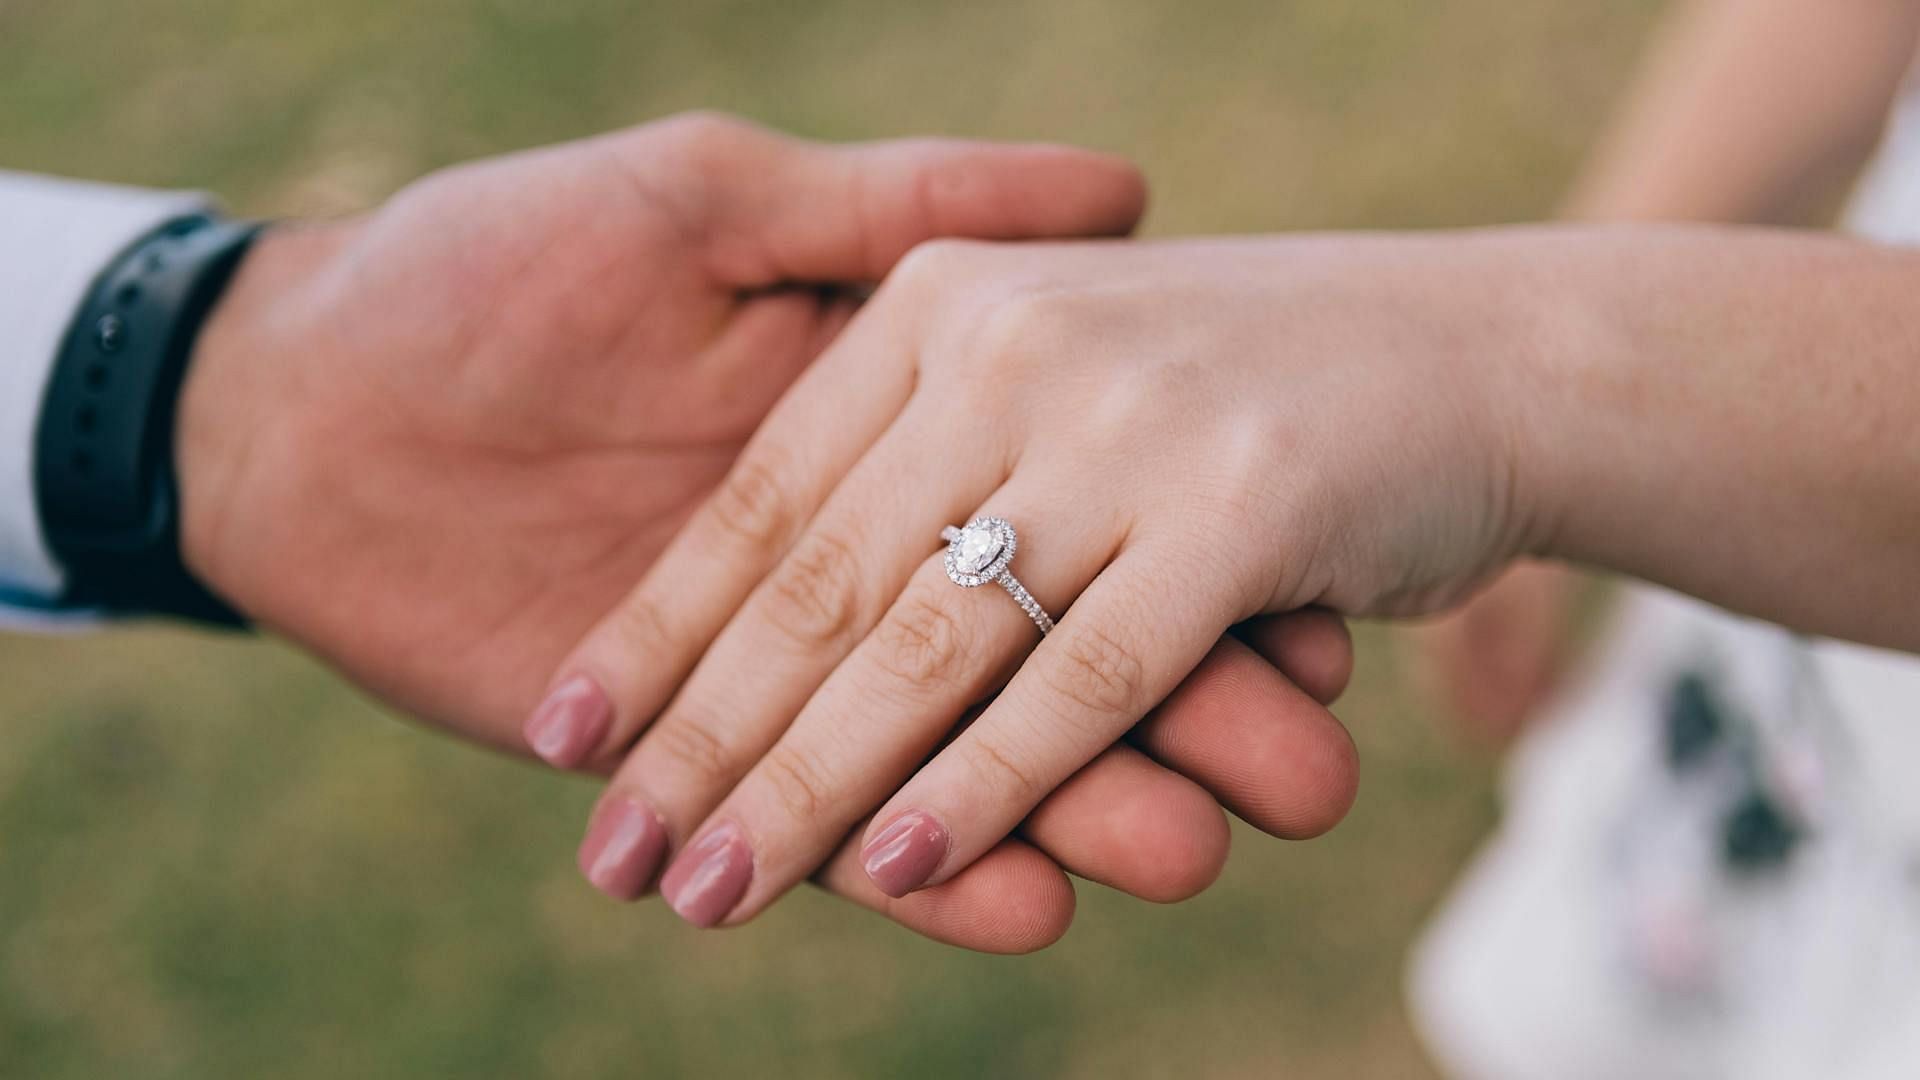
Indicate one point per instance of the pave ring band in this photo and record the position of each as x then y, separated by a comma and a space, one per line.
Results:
981, 552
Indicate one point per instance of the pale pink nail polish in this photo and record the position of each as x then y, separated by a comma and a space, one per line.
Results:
569, 724
622, 848
901, 857
710, 877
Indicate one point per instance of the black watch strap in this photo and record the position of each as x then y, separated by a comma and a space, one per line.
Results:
103, 456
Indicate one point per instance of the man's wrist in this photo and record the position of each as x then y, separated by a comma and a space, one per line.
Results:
238, 396
105, 483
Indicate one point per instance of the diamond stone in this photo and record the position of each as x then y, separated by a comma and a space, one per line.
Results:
976, 548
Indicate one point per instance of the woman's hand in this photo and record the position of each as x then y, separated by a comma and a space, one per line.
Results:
1186, 435
1245, 728
1495, 660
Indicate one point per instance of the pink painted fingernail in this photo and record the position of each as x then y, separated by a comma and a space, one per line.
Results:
901, 857
566, 727
710, 877
622, 848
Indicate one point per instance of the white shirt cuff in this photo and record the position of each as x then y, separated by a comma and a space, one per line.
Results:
55, 238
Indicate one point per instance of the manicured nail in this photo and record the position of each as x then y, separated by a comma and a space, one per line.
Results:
901, 857
623, 847
710, 877
570, 722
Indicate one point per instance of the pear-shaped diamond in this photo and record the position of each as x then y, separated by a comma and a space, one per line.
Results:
976, 548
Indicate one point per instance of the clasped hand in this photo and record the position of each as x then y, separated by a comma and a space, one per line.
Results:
438, 445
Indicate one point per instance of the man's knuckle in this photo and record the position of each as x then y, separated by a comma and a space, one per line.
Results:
815, 594
702, 132
752, 505
920, 641
1097, 673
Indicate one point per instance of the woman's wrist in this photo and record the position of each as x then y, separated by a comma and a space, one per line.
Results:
1556, 331
1527, 327
1623, 355
1611, 392
1728, 412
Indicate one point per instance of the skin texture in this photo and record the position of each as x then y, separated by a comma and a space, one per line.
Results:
1748, 111
1199, 432
435, 444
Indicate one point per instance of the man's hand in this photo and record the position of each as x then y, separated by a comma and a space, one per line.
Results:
435, 444
432, 444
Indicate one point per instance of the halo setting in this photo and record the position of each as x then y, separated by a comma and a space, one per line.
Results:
979, 552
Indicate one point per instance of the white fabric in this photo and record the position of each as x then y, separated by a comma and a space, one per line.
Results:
55, 238
1886, 202
1598, 935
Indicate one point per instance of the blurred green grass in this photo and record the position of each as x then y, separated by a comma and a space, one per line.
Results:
216, 861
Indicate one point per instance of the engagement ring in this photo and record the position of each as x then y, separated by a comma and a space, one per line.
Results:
981, 552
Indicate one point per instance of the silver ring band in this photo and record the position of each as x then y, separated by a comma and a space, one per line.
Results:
982, 551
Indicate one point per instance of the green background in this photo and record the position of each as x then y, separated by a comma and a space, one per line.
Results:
216, 860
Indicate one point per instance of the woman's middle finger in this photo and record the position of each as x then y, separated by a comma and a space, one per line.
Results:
796, 627
938, 650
